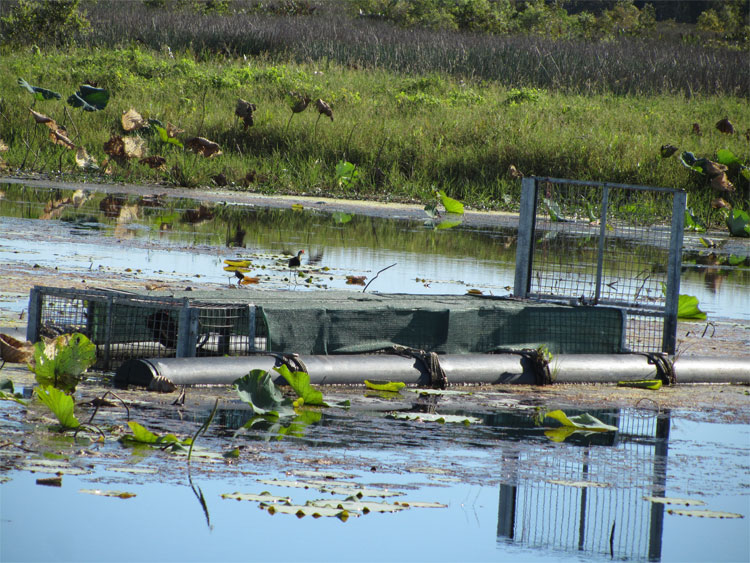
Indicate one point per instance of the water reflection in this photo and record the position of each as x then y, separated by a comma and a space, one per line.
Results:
428, 260
583, 506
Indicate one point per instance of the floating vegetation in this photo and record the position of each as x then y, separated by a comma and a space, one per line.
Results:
102, 493
676, 501
703, 513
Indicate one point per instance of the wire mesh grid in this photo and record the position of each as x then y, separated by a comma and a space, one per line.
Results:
603, 245
125, 326
576, 502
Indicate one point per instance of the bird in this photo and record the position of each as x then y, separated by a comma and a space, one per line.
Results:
239, 275
294, 261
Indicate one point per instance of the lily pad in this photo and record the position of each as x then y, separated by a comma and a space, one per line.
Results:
579, 484
60, 404
435, 417
302, 510
359, 506
39, 93
677, 501
114, 494
89, 98
262, 497
451, 205
699, 513
738, 223
258, 390
394, 386
60, 363
300, 382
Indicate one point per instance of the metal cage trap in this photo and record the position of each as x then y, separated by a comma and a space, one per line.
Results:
598, 243
126, 325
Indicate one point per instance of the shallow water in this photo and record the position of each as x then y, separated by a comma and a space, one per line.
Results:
508, 491
172, 240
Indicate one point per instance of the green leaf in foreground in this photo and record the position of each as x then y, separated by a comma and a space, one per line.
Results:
653, 384
687, 309
394, 386
39, 93
258, 390
60, 404
579, 423
142, 435
89, 98
738, 223
451, 205
300, 382
60, 363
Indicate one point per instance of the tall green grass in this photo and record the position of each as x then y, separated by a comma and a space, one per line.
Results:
413, 110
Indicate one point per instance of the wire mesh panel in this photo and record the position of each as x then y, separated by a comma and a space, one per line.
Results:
604, 244
575, 501
124, 325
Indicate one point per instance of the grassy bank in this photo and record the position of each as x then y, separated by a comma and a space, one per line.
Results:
408, 131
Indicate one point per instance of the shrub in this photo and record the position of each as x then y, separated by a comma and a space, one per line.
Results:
55, 22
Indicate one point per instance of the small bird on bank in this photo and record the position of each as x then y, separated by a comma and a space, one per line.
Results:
294, 261
240, 276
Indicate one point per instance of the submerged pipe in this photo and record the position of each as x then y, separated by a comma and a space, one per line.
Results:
464, 368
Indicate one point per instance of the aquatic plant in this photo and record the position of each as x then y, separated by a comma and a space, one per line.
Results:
61, 362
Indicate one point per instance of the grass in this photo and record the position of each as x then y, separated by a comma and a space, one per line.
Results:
407, 132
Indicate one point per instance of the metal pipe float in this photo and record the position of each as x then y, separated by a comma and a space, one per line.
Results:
469, 368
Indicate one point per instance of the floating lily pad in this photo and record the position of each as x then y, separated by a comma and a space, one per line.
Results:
114, 494
394, 386
435, 417
302, 510
703, 513
262, 497
53, 467
134, 470
677, 501
578, 484
322, 474
359, 506
420, 504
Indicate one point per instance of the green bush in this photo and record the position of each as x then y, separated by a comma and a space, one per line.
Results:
56, 22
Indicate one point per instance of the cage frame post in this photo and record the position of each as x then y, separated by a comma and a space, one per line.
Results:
35, 314
187, 336
525, 243
674, 266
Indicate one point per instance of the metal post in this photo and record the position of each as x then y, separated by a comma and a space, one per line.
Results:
107, 331
251, 328
669, 336
187, 336
602, 239
525, 244
35, 314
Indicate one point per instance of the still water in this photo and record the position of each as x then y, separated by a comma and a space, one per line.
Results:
178, 240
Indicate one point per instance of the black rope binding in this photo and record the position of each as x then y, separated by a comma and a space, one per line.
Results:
664, 367
430, 361
535, 359
292, 361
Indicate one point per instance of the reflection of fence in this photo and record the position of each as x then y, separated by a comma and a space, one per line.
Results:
608, 244
580, 500
125, 325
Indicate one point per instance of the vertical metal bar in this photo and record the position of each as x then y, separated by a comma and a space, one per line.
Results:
251, 328
187, 337
35, 314
669, 336
525, 244
602, 240
107, 331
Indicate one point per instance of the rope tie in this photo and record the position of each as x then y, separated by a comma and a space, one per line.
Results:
536, 360
430, 361
664, 367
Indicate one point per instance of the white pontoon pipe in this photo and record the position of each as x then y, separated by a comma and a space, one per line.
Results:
469, 368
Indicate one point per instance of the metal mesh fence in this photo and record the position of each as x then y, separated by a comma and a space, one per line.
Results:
604, 244
125, 326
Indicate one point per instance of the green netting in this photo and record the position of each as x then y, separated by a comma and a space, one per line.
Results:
340, 322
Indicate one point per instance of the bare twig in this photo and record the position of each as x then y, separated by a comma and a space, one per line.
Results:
376, 276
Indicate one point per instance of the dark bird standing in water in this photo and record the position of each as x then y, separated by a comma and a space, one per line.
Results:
294, 262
